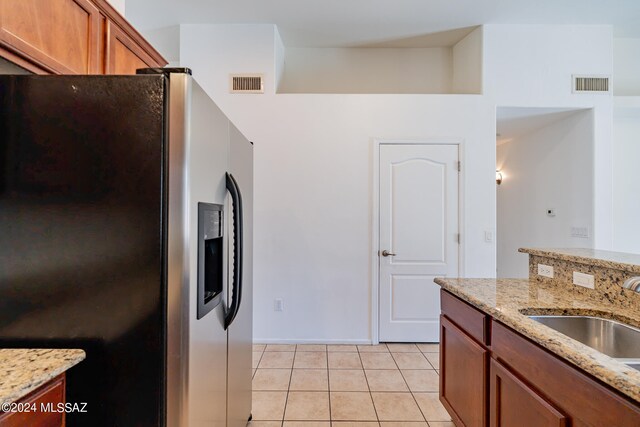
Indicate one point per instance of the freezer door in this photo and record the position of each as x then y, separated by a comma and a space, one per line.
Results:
240, 332
198, 395
81, 242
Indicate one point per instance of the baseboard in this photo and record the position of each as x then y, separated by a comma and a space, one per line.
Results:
309, 341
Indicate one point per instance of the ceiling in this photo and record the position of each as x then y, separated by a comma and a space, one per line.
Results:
515, 122
347, 23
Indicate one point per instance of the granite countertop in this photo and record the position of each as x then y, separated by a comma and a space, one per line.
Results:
599, 258
508, 300
24, 370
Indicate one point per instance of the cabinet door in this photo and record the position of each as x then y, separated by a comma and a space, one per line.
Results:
515, 404
123, 55
463, 375
45, 400
47, 36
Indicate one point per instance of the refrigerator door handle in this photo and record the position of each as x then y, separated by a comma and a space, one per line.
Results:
236, 197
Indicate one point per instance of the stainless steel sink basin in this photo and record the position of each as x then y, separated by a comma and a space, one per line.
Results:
612, 338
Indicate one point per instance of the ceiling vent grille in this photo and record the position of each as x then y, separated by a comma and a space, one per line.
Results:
246, 83
591, 84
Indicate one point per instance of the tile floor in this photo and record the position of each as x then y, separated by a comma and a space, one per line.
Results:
387, 385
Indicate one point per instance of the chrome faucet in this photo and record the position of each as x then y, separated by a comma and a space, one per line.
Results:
632, 283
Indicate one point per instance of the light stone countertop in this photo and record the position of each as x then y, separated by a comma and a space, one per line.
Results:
595, 257
507, 299
24, 370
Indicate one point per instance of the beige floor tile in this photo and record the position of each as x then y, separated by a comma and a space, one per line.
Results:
268, 405
411, 361
378, 361
385, 380
403, 348
355, 424
342, 347
310, 360
380, 348
276, 359
441, 424
310, 380
264, 424
256, 358
339, 360
404, 424
431, 407
429, 348
311, 347
259, 347
280, 347
349, 406
347, 380
272, 379
421, 379
304, 405
396, 407
434, 359
306, 424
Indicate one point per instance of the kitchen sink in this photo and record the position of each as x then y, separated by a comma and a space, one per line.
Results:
615, 339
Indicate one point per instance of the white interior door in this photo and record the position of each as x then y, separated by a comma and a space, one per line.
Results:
419, 231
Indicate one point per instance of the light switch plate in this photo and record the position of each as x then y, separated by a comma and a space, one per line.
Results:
545, 270
584, 280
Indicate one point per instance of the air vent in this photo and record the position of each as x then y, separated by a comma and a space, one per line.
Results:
246, 83
591, 84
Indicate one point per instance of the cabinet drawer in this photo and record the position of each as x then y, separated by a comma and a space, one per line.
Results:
50, 395
515, 404
584, 400
472, 321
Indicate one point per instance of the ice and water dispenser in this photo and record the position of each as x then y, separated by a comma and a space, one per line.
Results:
210, 256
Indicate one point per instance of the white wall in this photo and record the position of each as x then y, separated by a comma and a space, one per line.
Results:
119, 5
626, 180
313, 161
367, 70
279, 57
626, 67
313, 169
168, 39
549, 168
467, 63
531, 66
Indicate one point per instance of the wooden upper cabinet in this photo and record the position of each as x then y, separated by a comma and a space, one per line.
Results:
124, 56
72, 37
51, 36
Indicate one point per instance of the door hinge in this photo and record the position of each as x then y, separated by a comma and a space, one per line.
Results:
459, 166
458, 238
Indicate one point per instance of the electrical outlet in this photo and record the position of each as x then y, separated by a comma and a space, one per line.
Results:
545, 270
584, 280
278, 304
581, 232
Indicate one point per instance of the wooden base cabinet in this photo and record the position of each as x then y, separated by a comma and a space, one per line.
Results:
463, 375
43, 404
514, 403
492, 375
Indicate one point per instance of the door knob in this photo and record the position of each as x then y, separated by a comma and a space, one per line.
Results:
387, 253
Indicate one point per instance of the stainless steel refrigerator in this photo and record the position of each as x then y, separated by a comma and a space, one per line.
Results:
126, 230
